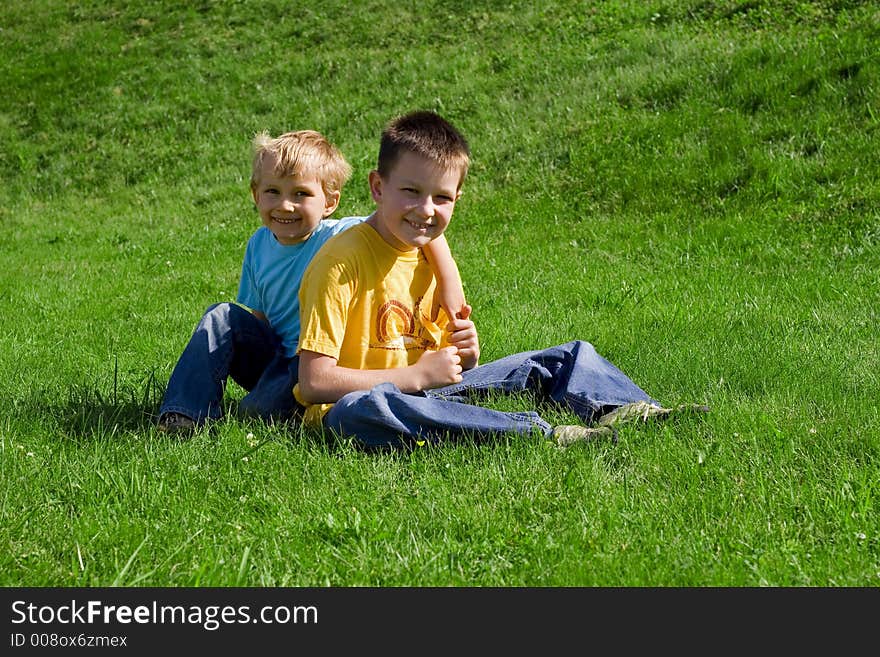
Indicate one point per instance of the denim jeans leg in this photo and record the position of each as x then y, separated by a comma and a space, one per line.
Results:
228, 341
386, 417
572, 374
272, 397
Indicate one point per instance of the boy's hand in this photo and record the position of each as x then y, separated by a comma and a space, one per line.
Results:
439, 368
463, 336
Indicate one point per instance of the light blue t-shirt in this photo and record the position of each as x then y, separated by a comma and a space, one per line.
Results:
272, 272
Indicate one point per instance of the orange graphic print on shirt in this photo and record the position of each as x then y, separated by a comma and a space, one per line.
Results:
399, 328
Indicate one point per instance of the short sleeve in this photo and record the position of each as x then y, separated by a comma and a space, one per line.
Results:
325, 296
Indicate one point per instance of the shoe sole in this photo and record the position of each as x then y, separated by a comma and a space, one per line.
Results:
652, 414
586, 435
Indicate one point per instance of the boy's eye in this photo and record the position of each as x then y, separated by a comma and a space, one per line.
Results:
271, 190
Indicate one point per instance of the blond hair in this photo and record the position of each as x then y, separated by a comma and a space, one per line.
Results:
304, 152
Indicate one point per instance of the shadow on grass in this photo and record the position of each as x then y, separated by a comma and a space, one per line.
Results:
89, 411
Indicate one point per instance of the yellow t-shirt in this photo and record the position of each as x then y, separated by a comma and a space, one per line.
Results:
367, 305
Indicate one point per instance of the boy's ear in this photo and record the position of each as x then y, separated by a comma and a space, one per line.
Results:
331, 202
375, 185
254, 193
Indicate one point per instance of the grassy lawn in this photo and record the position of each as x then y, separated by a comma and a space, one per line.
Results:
689, 185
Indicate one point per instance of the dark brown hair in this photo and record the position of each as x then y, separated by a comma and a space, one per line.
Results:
428, 135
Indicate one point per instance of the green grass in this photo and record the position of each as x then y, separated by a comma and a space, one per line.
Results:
690, 186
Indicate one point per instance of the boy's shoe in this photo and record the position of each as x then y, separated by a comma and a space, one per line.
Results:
643, 411
176, 424
566, 434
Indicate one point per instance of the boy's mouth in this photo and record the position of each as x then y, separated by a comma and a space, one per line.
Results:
284, 221
417, 225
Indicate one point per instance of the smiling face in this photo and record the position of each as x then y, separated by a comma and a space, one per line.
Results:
291, 206
414, 201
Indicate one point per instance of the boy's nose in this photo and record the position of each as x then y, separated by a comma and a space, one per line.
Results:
426, 207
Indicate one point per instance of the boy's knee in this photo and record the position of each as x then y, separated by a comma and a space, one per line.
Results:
224, 309
216, 311
582, 345
224, 313
360, 406
350, 400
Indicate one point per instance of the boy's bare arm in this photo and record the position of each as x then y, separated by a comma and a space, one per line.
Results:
449, 286
323, 381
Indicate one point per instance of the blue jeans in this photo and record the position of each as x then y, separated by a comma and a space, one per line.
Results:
231, 342
572, 375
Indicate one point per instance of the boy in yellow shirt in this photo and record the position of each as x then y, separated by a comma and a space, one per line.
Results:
382, 362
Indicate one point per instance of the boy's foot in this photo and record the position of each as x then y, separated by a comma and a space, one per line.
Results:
566, 434
644, 411
176, 424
